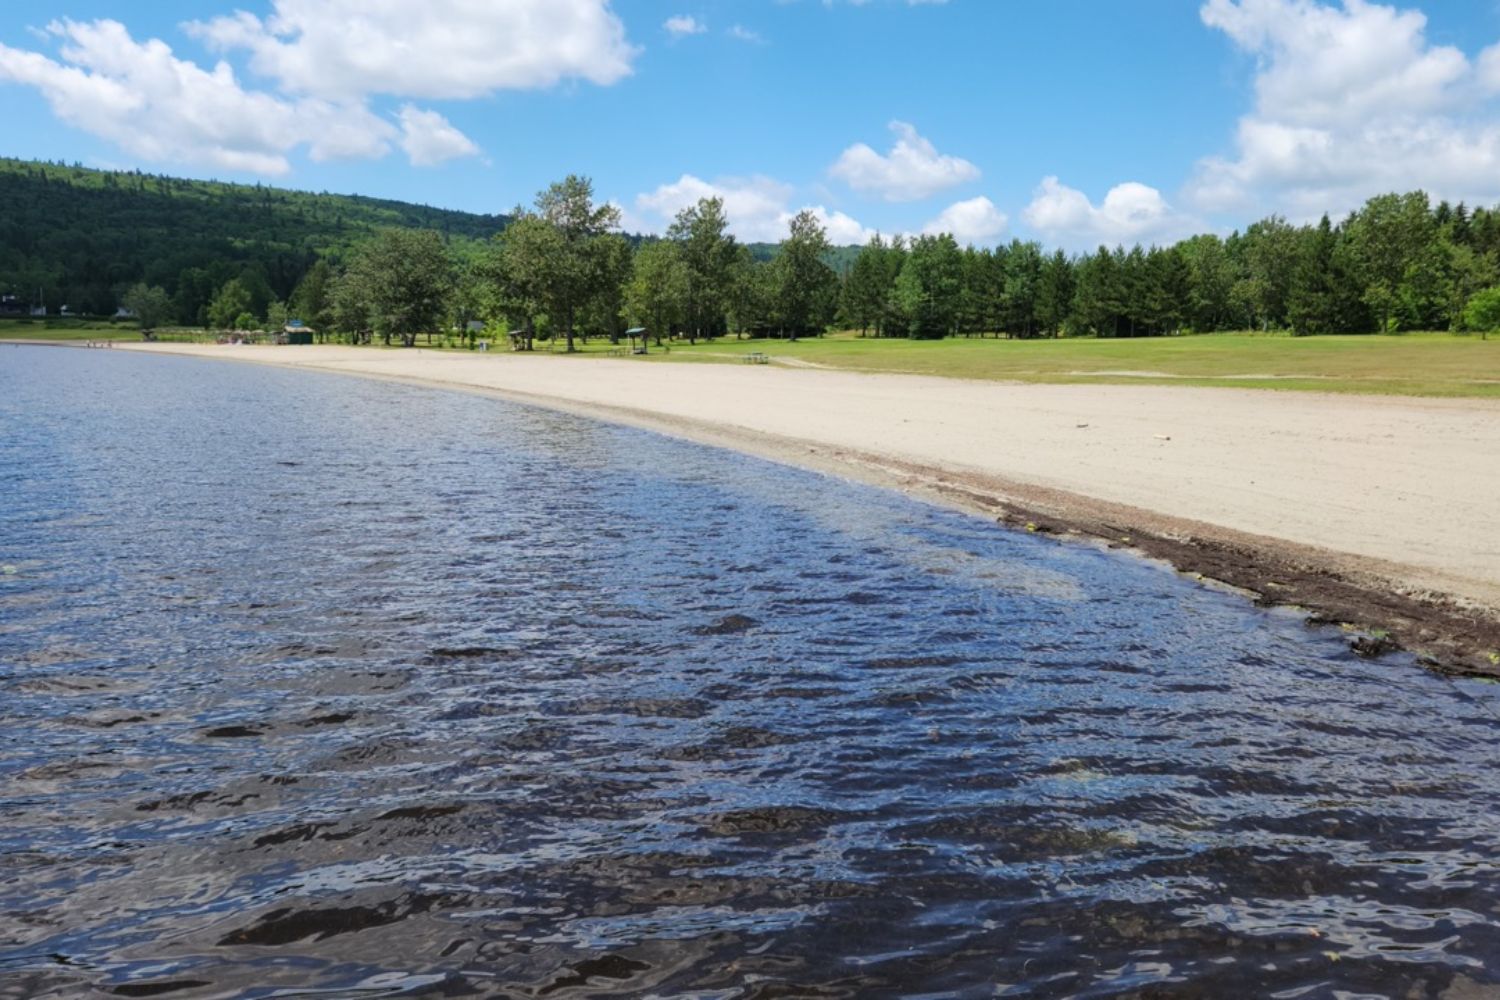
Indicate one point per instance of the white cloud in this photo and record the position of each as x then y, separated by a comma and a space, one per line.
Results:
1130, 213
1323, 65
430, 139
912, 170
744, 34
348, 49
630, 221
1350, 101
1489, 69
843, 230
758, 209
975, 221
327, 59
144, 99
752, 204
682, 25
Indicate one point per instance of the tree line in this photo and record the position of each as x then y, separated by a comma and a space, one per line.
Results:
561, 269
1396, 264
203, 254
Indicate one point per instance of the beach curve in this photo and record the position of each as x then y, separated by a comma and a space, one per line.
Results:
1374, 511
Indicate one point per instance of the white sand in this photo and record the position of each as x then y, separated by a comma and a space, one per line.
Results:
1400, 489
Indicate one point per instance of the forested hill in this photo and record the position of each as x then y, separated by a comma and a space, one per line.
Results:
840, 258
82, 235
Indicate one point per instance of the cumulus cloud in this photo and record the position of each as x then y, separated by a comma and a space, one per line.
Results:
327, 59
912, 170
1129, 213
843, 229
141, 97
758, 209
344, 49
1489, 69
682, 25
743, 34
1350, 101
751, 203
429, 139
974, 221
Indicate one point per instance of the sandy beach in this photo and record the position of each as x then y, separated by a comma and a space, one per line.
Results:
1376, 510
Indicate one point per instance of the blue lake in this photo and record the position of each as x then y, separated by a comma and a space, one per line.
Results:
314, 684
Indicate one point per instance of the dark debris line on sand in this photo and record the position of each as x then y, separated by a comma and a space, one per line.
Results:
1443, 635
1446, 636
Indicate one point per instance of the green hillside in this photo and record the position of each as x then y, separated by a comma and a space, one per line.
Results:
841, 259
81, 235
74, 236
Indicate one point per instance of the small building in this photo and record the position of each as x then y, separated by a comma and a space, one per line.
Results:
12, 306
297, 332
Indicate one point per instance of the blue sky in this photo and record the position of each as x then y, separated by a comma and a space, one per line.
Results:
1075, 122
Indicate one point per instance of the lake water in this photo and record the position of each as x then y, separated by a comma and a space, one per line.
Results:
319, 685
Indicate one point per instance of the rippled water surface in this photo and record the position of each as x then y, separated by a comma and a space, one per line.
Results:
319, 685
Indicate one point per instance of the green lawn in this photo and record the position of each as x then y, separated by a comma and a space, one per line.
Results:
66, 329
1436, 364
1416, 364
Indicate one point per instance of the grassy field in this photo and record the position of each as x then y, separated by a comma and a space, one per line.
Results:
1416, 364
66, 329
1438, 364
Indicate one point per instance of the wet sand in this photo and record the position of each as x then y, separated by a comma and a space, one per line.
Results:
1382, 512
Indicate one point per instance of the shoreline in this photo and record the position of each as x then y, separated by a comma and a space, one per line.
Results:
1445, 610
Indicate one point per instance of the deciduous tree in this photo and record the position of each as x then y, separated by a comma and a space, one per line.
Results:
573, 272
707, 252
229, 305
1482, 312
804, 283
150, 304
657, 295
406, 275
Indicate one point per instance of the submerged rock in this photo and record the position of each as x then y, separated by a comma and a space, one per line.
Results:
728, 625
1371, 646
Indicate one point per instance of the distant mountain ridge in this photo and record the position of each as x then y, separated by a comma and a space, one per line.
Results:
78, 235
